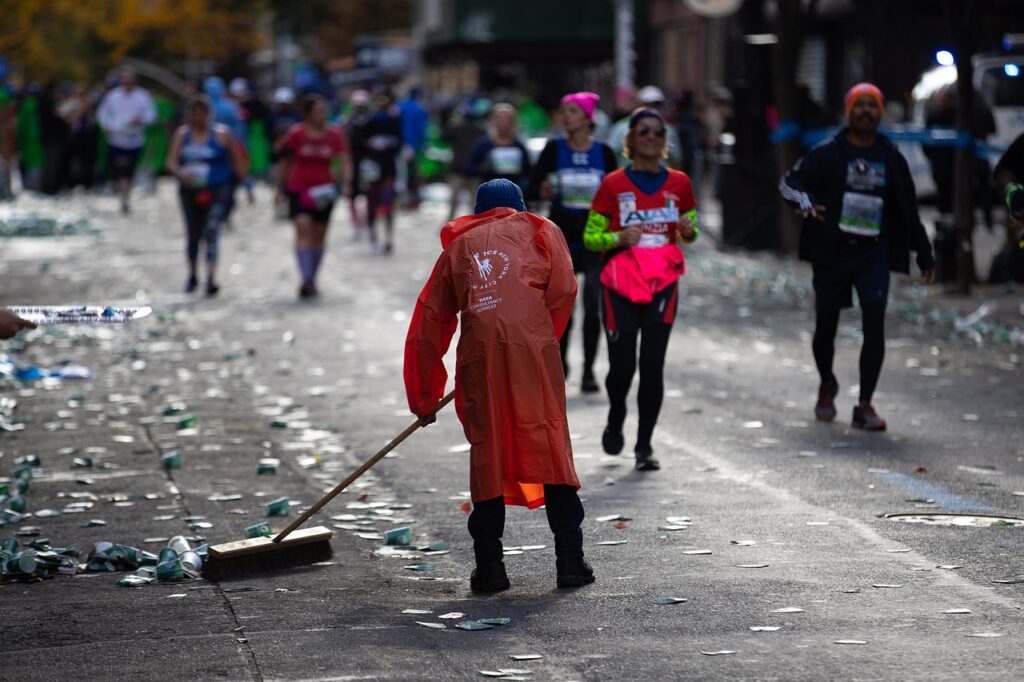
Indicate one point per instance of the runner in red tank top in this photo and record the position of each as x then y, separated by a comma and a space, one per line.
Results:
314, 153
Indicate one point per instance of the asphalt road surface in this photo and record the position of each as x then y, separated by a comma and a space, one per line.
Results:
770, 530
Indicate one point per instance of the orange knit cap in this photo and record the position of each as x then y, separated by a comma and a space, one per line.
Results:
860, 90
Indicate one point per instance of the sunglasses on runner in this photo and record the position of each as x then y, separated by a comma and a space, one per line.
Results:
642, 131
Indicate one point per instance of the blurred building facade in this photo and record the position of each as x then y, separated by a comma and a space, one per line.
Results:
538, 48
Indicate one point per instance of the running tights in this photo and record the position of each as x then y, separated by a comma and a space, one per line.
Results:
380, 201
623, 322
872, 353
205, 211
588, 263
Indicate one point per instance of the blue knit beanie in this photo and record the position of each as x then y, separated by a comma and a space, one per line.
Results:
499, 192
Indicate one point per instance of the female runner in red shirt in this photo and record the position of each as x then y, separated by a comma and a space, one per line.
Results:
639, 215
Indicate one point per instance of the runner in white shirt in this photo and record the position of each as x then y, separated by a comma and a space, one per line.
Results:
124, 114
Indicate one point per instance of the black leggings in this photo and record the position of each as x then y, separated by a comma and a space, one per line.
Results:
380, 200
623, 321
588, 263
872, 353
205, 211
565, 514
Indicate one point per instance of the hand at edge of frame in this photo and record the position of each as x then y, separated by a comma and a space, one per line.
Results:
11, 324
816, 212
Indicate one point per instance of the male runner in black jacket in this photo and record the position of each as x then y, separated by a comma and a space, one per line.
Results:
857, 198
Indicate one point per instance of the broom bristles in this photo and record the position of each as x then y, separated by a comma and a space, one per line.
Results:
275, 559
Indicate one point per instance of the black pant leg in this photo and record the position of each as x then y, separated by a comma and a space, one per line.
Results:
486, 526
656, 328
565, 515
824, 344
621, 326
872, 353
564, 345
592, 266
195, 221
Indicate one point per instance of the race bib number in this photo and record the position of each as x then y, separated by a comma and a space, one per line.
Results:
861, 215
323, 195
369, 171
382, 142
652, 219
656, 223
196, 174
578, 187
652, 241
506, 160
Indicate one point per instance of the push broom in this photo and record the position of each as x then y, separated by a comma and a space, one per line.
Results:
293, 547
79, 314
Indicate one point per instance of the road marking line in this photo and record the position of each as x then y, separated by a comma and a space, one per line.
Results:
726, 470
943, 498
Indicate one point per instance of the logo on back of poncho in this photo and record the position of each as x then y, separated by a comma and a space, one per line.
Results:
490, 267
483, 267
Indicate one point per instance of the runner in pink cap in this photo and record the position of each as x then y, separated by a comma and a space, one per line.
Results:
567, 174
587, 101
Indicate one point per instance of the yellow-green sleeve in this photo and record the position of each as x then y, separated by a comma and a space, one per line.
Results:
596, 236
692, 215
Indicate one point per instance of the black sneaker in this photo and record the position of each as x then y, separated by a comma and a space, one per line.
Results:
589, 384
865, 417
307, 291
574, 572
612, 441
190, 284
212, 288
645, 459
825, 409
489, 578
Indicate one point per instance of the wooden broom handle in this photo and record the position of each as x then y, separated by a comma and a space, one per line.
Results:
395, 442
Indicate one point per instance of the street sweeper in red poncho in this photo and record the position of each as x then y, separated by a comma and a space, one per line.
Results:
508, 274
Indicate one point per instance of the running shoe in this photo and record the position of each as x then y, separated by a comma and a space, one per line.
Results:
307, 290
212, 288
645, 459
825, 410
574, 572
612, 441
865, 417
190, 284
589, 384
489, 578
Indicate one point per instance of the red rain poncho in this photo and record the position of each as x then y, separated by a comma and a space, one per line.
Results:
510, 276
